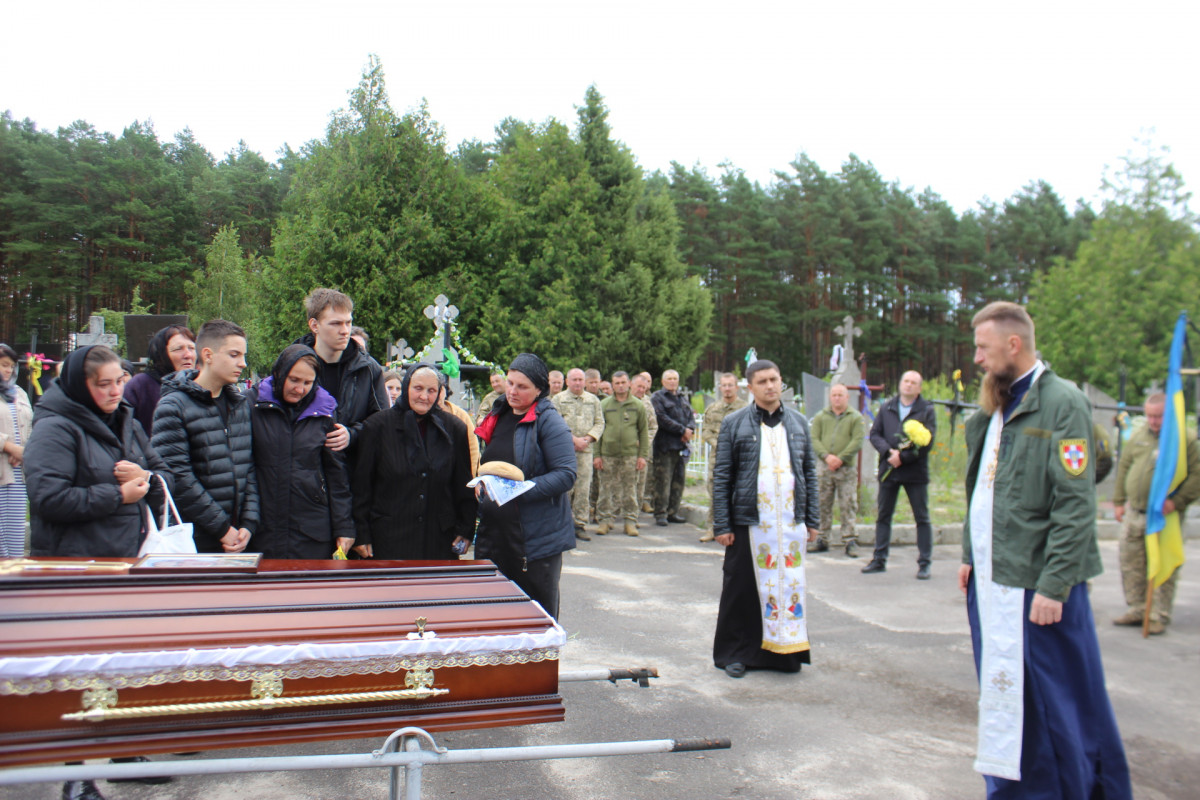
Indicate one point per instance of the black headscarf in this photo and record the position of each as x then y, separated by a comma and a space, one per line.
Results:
74, 381
8, 388
283, 365
160, 360
535, 369
402, 401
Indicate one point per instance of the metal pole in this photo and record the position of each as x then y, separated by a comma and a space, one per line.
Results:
384, 757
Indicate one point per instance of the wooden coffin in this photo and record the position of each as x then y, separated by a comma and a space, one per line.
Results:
133, 664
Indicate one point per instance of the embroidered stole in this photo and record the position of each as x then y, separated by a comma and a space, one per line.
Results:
777, 543
1002, 637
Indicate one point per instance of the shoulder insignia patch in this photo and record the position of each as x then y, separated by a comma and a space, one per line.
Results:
1074, 455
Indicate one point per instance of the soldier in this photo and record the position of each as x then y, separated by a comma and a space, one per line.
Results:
485, 405
581, 410
641, 390
557, 382
713, 416
1135, 472
621, 455
591, 383
838, 433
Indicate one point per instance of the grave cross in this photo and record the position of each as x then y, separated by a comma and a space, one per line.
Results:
848, 331
400, 350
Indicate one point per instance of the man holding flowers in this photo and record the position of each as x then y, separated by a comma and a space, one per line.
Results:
903, 434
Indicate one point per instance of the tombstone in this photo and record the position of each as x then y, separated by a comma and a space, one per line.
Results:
96, 335
140, 329
399, 351
442, 315
816, 394
847, 371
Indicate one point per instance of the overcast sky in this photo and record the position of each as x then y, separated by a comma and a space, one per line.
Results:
972, 103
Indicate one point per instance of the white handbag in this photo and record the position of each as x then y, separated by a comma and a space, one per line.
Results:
167, 538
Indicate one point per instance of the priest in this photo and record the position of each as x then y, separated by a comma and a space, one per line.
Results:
1046, 727
765, 511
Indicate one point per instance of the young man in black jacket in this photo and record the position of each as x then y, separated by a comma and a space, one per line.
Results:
903, 463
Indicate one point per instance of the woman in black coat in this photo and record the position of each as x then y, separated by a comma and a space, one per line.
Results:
305, 507
90, 470
411, 499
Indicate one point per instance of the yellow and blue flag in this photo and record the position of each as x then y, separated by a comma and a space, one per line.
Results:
1164, 534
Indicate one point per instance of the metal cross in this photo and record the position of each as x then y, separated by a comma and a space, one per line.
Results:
442, 312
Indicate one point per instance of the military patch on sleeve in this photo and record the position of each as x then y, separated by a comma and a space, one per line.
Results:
1074, 455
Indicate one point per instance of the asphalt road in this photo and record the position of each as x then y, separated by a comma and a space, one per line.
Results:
886, 710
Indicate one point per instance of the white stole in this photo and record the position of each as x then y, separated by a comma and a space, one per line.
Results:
777, 545
1002, 638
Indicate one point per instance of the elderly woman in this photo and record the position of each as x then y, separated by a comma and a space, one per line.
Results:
305, 508
411, 499
16, 423
171, 349
526, 537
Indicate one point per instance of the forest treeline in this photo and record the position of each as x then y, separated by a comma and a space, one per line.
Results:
552, 239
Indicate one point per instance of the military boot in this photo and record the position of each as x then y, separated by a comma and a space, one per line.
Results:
631, 529
603, 528
707, 537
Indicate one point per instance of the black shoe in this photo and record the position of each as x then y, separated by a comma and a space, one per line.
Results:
676, 519
851, 549
660, 522
819, 546
153, 780
81, 790
923, 573
735, 670
875, 566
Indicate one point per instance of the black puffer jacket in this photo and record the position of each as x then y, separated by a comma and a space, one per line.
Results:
735, 474
887, 432
74, 500
361, 393
303, 486
215, 483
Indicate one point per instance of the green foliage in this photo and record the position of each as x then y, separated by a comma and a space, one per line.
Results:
1113, 306
229, 287
114, 321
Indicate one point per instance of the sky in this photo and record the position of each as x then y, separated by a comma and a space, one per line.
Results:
972, 100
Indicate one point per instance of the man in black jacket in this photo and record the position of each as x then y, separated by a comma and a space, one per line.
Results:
675, 421
903, 462
353, 378
765, 507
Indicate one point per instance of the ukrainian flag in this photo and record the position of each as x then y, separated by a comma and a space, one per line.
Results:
1164, 535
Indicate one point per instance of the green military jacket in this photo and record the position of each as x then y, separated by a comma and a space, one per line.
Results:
626, 430
840, 435
1135, 472
714, 415
1044, 515
582, 414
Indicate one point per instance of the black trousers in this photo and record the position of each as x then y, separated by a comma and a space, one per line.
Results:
918, 497
539, 579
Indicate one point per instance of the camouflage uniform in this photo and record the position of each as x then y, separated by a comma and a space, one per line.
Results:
1135, 472
485, 405
714, 415
584, 418
843, 436
625, 440
646, 487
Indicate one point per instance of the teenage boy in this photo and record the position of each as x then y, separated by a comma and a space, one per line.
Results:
353, 378
202, 432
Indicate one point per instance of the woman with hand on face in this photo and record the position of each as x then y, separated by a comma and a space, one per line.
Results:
16, 423
89, 466
305, 507
171, 349
410, 479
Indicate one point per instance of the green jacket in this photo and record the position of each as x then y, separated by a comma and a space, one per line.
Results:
1044, 519
626, 430
843, 436
1136, 472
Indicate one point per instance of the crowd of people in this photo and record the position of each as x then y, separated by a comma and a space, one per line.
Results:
332, 456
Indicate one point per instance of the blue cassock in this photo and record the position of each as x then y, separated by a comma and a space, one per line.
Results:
1071, 748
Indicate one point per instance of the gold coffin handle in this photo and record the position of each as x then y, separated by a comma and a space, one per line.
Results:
253, 704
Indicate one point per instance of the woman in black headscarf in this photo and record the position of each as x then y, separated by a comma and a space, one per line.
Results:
171, 349
88, 465
305, 504
526, 537
410, 480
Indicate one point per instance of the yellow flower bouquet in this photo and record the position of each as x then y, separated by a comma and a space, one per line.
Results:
915, 433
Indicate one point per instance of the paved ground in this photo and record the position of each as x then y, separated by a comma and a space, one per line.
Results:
886, 710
